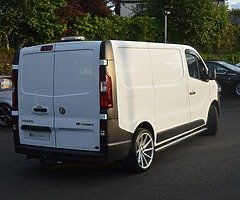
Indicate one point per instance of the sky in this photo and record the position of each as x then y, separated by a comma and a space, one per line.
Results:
234, 4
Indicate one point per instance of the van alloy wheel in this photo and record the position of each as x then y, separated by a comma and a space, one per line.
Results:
145, 150
142, 150
237, 89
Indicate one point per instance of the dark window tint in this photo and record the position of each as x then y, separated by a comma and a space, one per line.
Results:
196, 67
219, 69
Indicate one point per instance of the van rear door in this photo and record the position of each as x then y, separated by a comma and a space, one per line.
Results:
76, 96
35, 92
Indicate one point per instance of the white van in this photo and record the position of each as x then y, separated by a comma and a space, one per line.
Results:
101, 101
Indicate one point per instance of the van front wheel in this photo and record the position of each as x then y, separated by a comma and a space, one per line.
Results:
142, 150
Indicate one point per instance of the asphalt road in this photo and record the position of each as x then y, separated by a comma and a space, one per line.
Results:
199, 168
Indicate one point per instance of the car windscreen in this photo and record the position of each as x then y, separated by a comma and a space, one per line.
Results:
229, 66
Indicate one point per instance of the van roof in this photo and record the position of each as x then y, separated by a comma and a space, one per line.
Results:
116, 43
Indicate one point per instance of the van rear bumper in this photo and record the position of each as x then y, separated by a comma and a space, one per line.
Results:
115, 147
114, 153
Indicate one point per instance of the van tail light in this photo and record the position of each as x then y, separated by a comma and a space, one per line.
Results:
106, 101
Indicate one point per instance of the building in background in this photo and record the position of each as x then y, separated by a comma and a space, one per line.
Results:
127, 7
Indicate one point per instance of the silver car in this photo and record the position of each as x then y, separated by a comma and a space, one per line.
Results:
5, 100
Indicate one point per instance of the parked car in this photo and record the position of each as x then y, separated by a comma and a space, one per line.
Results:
5, 101
228, 76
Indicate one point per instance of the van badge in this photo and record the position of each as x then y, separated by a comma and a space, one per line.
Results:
84, 124
62, 110
27, 120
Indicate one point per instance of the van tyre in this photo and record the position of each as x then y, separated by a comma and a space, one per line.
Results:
142, 151
212, 122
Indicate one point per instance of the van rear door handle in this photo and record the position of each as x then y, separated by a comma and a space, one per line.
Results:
192, 92
40, 110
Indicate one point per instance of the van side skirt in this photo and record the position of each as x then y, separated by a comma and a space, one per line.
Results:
178, 130
180, 139
173, 136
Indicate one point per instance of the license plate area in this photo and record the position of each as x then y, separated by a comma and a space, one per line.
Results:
36, 135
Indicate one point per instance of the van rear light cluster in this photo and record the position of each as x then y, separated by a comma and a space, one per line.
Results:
106, 101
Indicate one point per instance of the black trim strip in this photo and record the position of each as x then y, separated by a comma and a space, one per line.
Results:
174, 141
106, 52
44, 110
196, 124
16, 57
170, 133
36, 128
49, 153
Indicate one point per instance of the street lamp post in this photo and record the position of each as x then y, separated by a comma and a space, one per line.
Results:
167, 12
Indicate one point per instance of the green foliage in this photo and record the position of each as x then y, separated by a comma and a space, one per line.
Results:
116, 28
28, 22
98, 28
201, 23
232, 58
5, 61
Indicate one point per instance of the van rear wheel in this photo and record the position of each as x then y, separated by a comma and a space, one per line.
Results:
142, 150
212, 122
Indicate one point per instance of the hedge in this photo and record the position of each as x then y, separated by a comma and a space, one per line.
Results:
232, 58
6, 61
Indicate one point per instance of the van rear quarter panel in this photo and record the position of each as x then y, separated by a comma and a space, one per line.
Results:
135, 92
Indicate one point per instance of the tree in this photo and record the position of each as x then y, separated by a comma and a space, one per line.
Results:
28, 22
76, 9
201, 23
83, 7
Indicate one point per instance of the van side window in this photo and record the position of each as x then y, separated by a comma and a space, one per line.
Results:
196, 68
192, 66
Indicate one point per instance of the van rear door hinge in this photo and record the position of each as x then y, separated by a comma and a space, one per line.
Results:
15, 66
103, 62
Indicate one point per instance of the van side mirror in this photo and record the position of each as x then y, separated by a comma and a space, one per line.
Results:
212, 74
